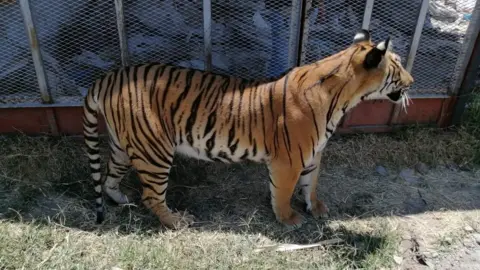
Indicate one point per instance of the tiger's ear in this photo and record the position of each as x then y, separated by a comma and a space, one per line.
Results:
361, 35
375, 55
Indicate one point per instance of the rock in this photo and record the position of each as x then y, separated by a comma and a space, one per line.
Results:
468, 243
398, 260
468, 228
409, 176
415, 205
448, 240
381, 170
405, 246
476, 236
421, 168
452, 166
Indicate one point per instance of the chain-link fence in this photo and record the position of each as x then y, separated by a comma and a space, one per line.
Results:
51, 51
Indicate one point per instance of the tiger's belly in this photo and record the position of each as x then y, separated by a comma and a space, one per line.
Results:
221, 154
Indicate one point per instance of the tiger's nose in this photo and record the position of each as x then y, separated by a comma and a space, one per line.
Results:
409, 81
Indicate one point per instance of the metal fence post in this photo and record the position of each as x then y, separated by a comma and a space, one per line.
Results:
422, 14
207, 33
121, 32
367, 15
295, 35
306, 6
466, 50
472, 66
35, 50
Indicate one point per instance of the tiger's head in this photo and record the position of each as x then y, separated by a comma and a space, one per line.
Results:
383, 70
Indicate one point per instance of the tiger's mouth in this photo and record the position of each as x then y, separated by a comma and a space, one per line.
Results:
400, 96
395, 96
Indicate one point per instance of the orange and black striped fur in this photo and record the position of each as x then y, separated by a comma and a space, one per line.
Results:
153, 111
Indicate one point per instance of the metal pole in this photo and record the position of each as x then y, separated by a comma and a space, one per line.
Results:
367, 14
411, 54
470, 73
207, 33
304, 38
122, 34
35, 50
295, 28
416, 35
466, 50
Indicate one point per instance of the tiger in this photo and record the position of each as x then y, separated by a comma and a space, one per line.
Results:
154, 111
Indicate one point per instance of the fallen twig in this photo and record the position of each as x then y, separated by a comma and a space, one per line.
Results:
290, 247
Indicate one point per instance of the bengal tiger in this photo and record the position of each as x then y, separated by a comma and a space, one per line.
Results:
153, 111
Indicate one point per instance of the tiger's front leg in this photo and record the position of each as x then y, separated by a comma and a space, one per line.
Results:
283, 179
308, 183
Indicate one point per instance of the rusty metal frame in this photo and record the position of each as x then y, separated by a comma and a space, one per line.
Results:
35, 50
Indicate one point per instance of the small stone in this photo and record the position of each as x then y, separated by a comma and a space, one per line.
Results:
468, 243
409, 176
381, 170
476, 236
430, 265
448, 240
421, 168
398, 260
405, 246
452, 166
415, 205
468, 228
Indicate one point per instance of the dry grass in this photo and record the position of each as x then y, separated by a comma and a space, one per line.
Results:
47, 217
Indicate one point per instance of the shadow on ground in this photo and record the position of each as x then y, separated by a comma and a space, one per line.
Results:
48, 180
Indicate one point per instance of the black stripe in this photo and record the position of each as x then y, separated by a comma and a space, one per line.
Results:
89, 109
210, 143
192, 118
91, 138
308, 170
188, 84
313, 146
165, 90
212, 119
285, 128
92, 151
314, 118
301, 156
149, 186
89, 124
95, 170
271, 181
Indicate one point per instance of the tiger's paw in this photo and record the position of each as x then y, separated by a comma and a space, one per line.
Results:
178, 220
294, 220
318, 209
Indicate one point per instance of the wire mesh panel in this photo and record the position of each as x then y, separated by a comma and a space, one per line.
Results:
252, 38
18, 84
330, 27
442, 39
397, 20
79, 42
168, 31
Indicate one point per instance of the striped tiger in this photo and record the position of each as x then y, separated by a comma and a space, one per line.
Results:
153, 111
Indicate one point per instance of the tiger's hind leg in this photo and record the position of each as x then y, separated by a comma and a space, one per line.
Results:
308, 183
283, 179
117, 167
155, 181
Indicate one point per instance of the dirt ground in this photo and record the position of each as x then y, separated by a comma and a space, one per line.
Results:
393, 203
